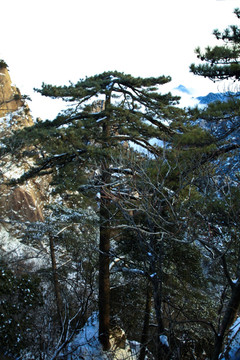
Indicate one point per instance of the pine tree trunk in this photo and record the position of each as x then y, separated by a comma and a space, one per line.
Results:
158, 311
156, 279
104, 275
56, 281
145, 332
228, 320
104, 245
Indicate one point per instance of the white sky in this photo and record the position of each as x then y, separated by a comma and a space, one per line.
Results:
54, 41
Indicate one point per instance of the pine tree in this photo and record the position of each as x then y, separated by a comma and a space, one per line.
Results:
158, 240
221, 63
79, 144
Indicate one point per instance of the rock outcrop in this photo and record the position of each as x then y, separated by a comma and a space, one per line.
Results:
14, 112
19, 203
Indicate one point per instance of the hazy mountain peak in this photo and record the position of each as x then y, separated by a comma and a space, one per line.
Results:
183, 89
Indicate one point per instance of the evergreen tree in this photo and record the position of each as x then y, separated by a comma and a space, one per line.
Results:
79, 144
158, 242
220, 63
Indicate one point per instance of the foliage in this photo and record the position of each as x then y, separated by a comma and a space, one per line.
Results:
20, 294
3, 64
221, 62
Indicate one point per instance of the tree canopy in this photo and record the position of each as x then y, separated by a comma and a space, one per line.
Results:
221, 62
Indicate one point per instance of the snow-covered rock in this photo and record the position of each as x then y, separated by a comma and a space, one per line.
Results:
14, 112
22, 203
87, 346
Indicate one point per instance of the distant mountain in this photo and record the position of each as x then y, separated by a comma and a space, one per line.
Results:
223, 129
183, 89
211, 97
189, 100
227, 129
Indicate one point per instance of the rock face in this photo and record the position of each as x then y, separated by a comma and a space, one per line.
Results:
14, 112
22, 203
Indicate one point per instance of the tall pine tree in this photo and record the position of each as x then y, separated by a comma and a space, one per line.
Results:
81, 141
223, 63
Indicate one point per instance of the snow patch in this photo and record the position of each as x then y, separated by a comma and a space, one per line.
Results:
164, 340
153, 275
87, 346
232, 349
12, 248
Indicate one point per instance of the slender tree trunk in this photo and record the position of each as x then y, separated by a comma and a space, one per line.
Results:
57, 291
157, 296
228, 320
145, 332
104, 275
157, 280
104, 245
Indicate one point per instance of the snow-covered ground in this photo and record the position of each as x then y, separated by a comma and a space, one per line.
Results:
87, 346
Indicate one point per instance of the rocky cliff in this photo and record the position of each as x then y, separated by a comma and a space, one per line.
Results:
14, 112
22, 202
19, 205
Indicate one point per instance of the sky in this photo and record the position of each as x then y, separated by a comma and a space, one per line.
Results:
57, 41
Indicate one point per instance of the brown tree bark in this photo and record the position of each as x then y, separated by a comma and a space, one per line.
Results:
145, 332
156, 278
104, 275
56, 284
104, 244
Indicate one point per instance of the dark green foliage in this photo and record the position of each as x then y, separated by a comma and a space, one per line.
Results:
92, 130
95, 85
127, 304
159, 243
221, 62
20, 294
3, 64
